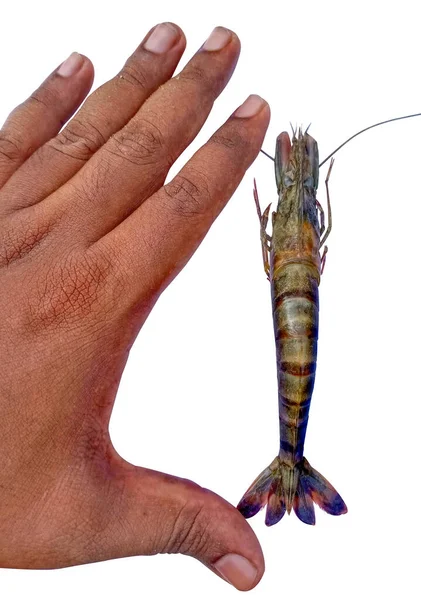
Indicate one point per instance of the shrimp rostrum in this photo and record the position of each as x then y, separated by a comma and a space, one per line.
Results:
293, 263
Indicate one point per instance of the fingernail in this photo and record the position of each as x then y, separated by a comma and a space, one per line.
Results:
237, 570
250, 107
162, 38
71, 65
218, 39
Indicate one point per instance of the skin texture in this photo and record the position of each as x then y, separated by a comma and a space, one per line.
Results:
83, 259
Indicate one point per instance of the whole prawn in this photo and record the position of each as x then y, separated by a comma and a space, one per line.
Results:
294, 271
296, 264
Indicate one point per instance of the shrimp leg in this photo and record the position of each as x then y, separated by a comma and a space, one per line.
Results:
322, 216
323, 260
329, 209
264, 237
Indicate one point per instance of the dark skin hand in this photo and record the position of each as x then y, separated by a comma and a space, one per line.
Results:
90, 236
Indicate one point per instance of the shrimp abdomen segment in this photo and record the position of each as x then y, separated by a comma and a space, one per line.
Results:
295, 316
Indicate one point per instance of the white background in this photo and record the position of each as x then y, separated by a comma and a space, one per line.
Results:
198, 398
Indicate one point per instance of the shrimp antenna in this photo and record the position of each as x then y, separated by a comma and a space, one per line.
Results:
366, 129
266, 154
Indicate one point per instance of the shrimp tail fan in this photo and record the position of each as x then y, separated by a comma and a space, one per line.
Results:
281, 488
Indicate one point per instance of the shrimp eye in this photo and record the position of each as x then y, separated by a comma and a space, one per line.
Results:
308, 182
288, 182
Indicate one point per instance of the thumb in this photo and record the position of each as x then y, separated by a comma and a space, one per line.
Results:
160, 513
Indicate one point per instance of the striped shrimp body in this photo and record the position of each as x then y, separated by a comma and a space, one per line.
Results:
294, 271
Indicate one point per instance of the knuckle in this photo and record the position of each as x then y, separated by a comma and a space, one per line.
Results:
194, 73
201, 79
134, 75
232, 140
45, 95
141, 144
80, 139
189, 532
189, 196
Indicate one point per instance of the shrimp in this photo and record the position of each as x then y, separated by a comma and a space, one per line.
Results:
294, 271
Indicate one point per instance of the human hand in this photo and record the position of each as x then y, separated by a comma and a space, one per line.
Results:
90, 236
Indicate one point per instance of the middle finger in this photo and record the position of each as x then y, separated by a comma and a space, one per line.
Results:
133, 164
